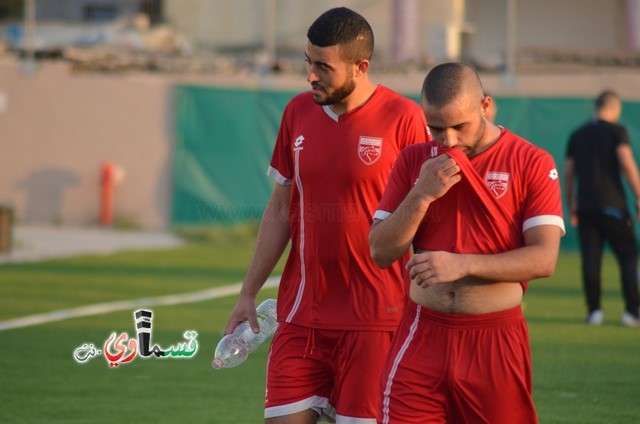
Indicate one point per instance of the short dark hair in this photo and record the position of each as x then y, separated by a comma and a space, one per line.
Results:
605, 98
445, 82
345, 28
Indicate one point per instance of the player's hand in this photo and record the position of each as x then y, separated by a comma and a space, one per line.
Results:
430, 268
245, 310
573, 219
437, 176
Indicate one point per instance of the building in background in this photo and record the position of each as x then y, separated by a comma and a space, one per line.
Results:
94, 11
420, 30
487, 33
110, 94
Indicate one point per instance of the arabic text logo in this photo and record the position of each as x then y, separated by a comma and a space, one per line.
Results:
122, 349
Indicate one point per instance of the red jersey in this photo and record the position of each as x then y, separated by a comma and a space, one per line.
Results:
338, 167
506, 189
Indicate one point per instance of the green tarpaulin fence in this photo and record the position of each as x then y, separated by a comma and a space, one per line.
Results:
224, 139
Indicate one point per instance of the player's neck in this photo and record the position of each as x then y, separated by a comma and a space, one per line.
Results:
363, 91
606, 116
491, 135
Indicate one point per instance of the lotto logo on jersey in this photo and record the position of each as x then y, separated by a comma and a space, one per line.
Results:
369, 149
498, 183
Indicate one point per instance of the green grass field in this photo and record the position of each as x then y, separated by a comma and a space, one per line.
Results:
582, 374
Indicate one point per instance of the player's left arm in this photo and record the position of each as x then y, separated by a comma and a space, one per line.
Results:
536, 259
630, 170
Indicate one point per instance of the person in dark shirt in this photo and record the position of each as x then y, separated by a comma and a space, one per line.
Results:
598, 154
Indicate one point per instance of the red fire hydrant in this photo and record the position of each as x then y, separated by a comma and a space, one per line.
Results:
111, 175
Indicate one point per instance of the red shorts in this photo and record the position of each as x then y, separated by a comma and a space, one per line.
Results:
450, 368
325, 370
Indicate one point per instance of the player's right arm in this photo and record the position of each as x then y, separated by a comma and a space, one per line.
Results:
390, 238
569, 191
273, 237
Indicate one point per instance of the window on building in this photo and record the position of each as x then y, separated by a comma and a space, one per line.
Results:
100, 12
153, 9
10, 10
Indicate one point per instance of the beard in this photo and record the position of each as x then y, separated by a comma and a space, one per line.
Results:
336, 95
472, 149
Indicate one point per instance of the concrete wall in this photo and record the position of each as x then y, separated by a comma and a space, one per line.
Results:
57, 129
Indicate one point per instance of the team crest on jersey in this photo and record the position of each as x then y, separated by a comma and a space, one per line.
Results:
498, 183
369, 149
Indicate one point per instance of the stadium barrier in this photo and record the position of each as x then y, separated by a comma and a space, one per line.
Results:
224, 140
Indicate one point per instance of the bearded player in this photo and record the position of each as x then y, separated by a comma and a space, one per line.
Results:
482, 209
337, 310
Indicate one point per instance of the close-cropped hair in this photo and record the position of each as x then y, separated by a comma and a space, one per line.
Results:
344, 28
445, 82
605, 98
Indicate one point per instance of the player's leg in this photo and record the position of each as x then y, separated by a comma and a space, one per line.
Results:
492, 381
360, 356
591, 245
621, 237
413, 377
299, 381
305, 417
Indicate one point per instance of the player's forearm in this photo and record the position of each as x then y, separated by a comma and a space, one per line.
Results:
629, 168
518, 265
537, 260
569, 195
634, 180
390, 238
268, 251
569, 178
273, 237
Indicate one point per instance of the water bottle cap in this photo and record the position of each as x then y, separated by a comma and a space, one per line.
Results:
217, 363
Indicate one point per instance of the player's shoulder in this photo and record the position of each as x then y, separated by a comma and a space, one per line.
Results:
302, 104
619, 128
391, 94
516, 141
577, 133
418, 151
392, 97
518, 145
304, 99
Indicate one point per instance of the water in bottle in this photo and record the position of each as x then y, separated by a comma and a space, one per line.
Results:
233, 349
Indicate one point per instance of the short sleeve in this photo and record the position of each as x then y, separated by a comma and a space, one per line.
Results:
415, 129
623, 136
543, 205
281, 166
398, 186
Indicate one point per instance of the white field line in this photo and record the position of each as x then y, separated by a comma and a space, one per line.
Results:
103, 308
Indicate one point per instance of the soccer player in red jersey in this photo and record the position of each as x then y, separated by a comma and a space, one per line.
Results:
337, 310
482, 209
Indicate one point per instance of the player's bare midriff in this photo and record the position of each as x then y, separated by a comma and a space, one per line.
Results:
462, 297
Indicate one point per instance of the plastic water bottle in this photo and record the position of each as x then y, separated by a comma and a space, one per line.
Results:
233, 349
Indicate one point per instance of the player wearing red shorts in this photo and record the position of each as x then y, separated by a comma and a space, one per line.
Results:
482, 209
337, 310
